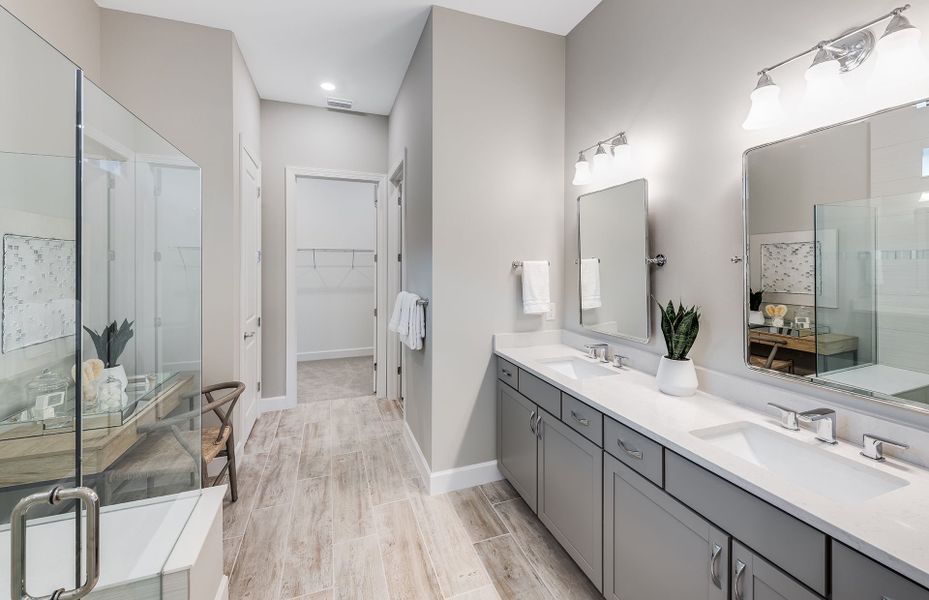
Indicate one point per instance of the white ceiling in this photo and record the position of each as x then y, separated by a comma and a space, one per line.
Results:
363, 46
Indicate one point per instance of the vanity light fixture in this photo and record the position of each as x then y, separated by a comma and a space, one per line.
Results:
601, 161
899, 58
610, 152
581, 170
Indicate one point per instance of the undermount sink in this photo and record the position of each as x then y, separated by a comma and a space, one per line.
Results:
576, 368
803, 463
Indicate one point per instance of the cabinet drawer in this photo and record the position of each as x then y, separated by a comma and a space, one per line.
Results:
634, 449
787, 542
857, 577
583, 419
507, 372
545, 395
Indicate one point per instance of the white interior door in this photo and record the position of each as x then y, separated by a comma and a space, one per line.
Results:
250, 348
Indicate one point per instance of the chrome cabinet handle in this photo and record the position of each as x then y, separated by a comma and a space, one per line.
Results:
538, 426
532, 423
505, 372
714, 565
581, 420
739, 576
633, 452
91, 502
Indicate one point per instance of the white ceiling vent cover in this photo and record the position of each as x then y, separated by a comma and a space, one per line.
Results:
339, 103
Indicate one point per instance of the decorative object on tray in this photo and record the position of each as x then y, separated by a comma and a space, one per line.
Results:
776, 312
47, 393
110, 344
38, 291
110, 395
676, 373
91, 371
755, 316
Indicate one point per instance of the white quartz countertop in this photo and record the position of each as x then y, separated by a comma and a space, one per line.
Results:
880, 378
892, 528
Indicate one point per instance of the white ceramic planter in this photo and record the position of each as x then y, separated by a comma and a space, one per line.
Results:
677, 377
755, 317
118, 372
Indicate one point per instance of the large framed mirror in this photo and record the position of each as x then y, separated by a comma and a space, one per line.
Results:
613, 268
837, 256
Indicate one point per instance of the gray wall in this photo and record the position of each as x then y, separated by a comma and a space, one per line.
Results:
683, 113
72, 26
498, 150
411, 132
201, 106
302, 136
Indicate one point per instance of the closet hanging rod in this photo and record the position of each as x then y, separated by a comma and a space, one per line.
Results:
335, 250
518, 264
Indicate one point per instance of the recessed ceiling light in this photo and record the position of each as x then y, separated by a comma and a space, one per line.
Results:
328, 86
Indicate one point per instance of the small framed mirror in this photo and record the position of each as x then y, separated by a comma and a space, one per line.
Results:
613, 268
837, 256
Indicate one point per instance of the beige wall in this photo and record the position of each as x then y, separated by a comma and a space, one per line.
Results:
302, 136
72, 26
499, 137
683, 112
411, 134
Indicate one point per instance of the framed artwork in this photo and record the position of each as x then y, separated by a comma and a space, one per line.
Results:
38, 297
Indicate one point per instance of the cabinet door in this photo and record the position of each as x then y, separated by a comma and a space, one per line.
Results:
857, 577
655, 548
516, 442
754, 578
571, 493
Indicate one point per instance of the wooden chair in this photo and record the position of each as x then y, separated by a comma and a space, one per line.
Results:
156, 456
216, 442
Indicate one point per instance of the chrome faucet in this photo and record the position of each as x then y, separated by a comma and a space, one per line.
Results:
874, 446
598, 351
788, 417
824, 421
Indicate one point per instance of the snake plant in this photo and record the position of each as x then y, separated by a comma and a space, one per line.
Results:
679, 327
111, 342
754, 299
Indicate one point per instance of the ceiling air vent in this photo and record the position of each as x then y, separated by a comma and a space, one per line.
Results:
339, 103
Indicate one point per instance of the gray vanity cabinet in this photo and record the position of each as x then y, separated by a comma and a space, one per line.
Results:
753, 578
571, 492
655, 548
516, 442
857, 577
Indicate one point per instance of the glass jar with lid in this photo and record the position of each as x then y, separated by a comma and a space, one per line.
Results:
47, 395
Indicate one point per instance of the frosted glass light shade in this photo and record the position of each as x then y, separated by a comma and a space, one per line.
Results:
900, 58
622, 153
601, 161
581, 171
824, 84
766, 110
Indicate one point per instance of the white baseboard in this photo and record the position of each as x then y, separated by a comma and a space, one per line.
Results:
339, 353
450, 480
275, 403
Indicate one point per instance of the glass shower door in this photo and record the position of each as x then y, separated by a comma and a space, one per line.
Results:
41, 519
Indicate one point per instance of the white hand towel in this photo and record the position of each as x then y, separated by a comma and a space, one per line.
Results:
416, 318
537, 299
399, 320
590, 283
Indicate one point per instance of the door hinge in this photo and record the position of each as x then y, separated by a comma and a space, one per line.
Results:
257, 256
398, 370
375, 366
375, 258
259, 191
259, 386
157, 256
399, 257
259, 321
375, 312
157, 321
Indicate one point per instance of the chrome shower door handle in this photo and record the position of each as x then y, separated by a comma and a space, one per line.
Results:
714, 566
91, 503
739, 576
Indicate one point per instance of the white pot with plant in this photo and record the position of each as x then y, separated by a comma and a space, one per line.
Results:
110, 344
676, 373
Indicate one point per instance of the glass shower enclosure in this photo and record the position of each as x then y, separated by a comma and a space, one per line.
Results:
100, 462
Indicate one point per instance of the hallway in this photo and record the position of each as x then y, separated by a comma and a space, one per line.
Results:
331, 506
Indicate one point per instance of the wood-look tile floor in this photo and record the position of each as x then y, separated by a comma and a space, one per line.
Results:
331, 507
